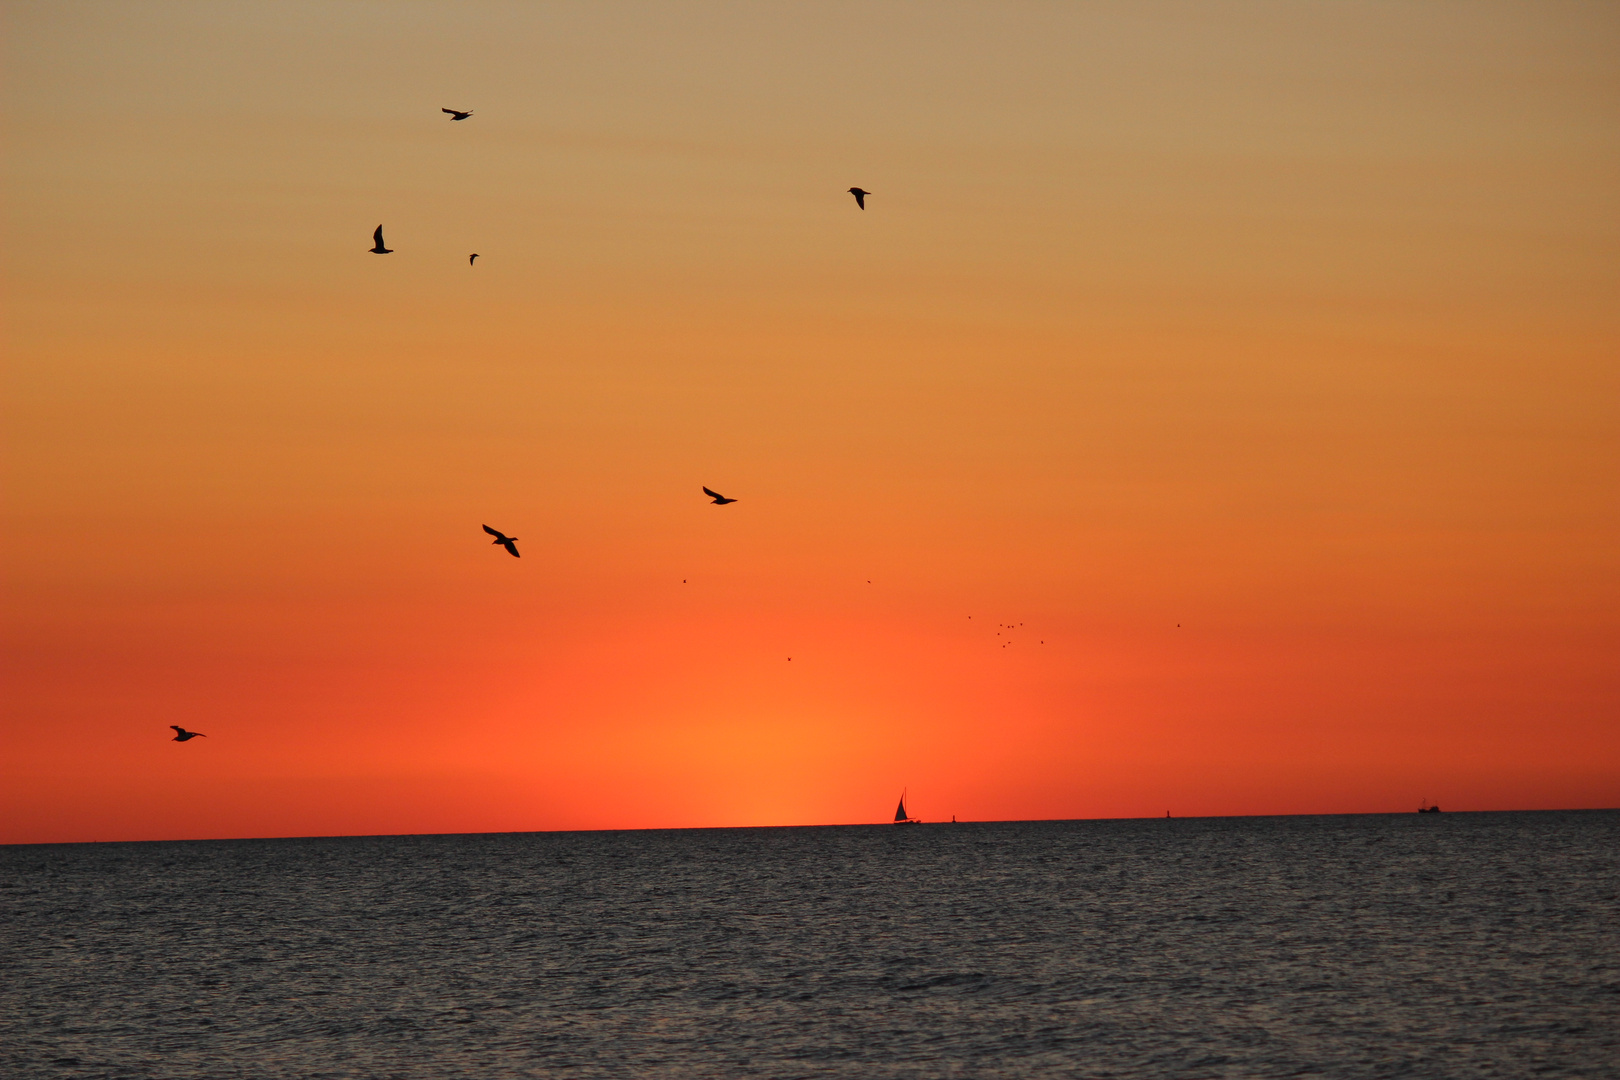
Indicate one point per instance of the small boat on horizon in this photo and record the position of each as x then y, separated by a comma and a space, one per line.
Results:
900, 815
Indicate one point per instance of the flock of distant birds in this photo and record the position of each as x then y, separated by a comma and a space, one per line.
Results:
510, 542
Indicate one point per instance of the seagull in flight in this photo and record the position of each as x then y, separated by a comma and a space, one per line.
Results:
507, 542
860, 196
379, 248
719, 499
181, 734
457, 114
472, 258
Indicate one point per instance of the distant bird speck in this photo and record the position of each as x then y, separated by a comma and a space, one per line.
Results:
457, 114
181, 734
507, 542
377, 247
719, 499
860, 196
472, 258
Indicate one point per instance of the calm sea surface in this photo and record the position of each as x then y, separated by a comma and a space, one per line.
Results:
1446, 945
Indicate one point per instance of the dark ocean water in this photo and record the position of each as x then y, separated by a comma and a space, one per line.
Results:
1448, 945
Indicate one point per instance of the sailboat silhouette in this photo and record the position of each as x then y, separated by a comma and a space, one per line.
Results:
900, 815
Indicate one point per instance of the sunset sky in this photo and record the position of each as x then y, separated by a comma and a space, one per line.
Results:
1262, 360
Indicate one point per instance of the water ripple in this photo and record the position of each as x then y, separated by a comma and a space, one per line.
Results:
1479, 945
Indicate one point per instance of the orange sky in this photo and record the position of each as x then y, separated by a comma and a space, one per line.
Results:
1296, 326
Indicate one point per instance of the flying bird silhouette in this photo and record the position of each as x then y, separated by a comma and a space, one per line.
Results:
860, 196
719, 499
378, 248
457, 114
181, 734
472, 258
507, 542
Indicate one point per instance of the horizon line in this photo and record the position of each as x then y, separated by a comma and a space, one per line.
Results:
802, 825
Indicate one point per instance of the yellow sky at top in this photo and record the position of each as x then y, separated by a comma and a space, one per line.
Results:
1292, 316
1270, 207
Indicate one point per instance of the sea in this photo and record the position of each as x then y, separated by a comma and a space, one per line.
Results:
1432, 945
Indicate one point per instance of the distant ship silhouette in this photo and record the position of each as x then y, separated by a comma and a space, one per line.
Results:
900, 815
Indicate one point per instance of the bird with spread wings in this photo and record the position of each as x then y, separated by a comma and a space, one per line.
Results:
507, 542
719, 499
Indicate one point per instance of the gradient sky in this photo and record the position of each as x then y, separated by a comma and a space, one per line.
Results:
1263, 360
